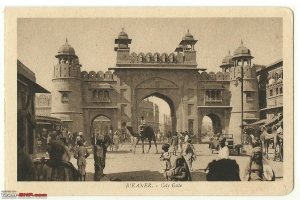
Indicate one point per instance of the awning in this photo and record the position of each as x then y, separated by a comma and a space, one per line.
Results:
260, 122
43, 123
274, 120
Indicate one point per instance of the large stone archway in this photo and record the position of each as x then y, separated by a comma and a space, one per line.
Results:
169, 84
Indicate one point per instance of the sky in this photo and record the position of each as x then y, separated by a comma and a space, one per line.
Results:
38, 40
93, 40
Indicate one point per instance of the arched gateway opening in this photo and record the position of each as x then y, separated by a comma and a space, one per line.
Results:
211, 125
161, 117
100, 125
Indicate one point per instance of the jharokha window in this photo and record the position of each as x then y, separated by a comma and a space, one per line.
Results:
64, 97
101, 95
213, 95
249, 96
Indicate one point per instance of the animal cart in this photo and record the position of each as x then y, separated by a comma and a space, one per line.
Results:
236, 148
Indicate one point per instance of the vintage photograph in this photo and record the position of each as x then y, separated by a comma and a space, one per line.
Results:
151, 102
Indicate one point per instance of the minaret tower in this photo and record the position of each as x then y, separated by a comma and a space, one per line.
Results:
66, 89
123, 49
244, 92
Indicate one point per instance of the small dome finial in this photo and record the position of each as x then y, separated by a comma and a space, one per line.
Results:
66, 40
188, 30
241, 42
229, 51
123, 29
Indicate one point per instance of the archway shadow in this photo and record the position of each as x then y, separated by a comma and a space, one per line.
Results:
118, 152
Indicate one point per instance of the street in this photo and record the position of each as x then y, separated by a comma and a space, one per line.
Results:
123, 165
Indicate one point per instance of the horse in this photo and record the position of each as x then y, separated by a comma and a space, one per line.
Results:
147, 133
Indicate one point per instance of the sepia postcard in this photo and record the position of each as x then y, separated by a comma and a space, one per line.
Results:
148, 101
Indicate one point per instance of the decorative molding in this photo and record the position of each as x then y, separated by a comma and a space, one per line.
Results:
157, 83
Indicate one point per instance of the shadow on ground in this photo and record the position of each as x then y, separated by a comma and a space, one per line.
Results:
145, 175
118, 152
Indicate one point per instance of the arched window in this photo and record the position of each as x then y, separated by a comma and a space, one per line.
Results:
106, 95
271, 92
213, 95
95, 94
64, 97
276, 77
100, 95
276, 91
218, 96
207, 96
249, 96
239, 62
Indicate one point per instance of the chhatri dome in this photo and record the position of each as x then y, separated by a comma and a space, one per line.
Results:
123, 35
66, 49
188, 36
242, 51
227, 60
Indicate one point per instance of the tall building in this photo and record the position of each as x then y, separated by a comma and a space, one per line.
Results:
271, 90
244, 90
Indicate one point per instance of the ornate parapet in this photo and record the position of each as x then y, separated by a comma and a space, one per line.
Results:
99, 76
211, 76
249, 72
156, 58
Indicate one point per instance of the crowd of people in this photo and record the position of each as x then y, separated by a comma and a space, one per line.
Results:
62, 146
221, 169
183, 162
45, 137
